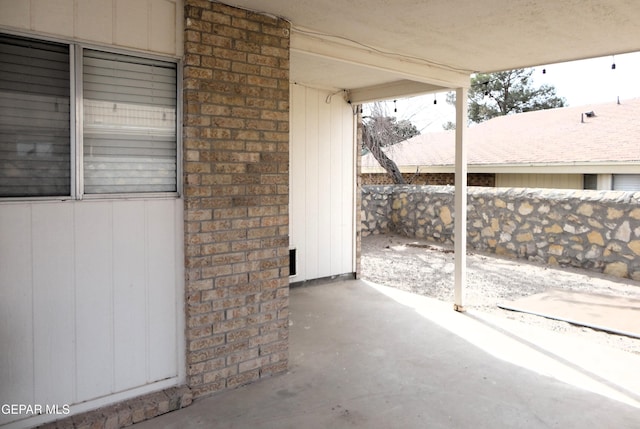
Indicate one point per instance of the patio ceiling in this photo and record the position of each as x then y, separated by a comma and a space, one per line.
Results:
383, 48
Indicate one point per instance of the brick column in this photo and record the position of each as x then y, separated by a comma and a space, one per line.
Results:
236, 189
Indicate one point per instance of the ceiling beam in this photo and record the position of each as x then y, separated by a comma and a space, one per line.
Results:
385, 91
406, 68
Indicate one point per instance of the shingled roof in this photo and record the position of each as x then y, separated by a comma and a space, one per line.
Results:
555, 137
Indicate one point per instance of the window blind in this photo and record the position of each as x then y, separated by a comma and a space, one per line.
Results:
626, 182
129, 124
35, 149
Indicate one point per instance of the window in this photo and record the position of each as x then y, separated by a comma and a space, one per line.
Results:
626, 182
126, 138
35, 151
590, 181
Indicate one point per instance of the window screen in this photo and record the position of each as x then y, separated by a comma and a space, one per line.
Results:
35, 148
129, 124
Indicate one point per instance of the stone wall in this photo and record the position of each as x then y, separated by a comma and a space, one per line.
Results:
236, 191
595, 230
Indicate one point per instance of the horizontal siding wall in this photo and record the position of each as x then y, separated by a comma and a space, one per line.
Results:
149, 25
322, 184
554, 181
91, 299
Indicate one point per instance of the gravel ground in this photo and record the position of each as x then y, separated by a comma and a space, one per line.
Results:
426, 268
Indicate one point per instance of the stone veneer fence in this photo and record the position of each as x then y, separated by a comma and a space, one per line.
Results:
595, 230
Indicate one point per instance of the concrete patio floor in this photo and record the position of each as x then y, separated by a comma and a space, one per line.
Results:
369, 356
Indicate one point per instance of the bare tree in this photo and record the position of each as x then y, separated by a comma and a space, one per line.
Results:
380, 130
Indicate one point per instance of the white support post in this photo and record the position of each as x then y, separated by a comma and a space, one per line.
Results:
460, 201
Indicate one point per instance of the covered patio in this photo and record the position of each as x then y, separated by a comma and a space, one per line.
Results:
109, 297
434, 368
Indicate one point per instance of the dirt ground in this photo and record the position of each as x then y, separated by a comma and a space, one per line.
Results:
427, 269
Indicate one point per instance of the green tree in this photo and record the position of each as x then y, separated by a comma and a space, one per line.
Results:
505, 93
449, 125
380, 130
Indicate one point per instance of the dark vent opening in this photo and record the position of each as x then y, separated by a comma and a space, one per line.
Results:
292, 262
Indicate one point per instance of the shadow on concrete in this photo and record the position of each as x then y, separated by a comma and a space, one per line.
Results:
359, 358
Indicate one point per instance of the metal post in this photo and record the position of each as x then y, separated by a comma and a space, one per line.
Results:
460, 201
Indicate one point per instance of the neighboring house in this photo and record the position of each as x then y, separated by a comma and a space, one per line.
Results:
159, 159
595, 146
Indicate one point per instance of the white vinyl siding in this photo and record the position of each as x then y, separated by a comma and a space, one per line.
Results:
35, 150
322, 178
92, 288
129, 138
91, 301
92, 308
153, 26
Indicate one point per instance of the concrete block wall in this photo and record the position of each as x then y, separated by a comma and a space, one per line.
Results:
595, 230
236, 171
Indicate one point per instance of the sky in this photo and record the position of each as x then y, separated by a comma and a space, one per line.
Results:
579, 82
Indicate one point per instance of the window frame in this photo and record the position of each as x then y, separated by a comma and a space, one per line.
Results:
76, 100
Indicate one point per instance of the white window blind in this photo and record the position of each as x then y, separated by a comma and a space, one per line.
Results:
35, 148
626, 182
129, 124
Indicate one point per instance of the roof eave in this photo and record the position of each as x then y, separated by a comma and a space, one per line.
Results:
600, 167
